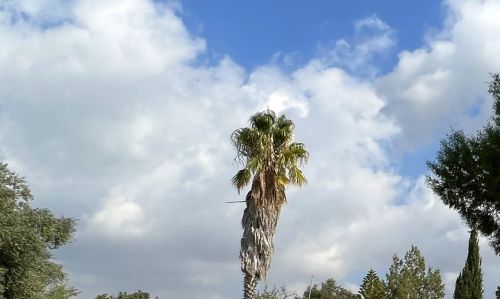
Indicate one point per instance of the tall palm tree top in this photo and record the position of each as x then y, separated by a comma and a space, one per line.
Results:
267, 146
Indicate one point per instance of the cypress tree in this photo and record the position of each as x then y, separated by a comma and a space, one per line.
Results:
459, 287
372, 286
470, 282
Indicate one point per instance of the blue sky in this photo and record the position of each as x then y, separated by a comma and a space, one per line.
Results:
252, 32
120, 116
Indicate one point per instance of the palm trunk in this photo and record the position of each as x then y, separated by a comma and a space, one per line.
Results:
249, 285
259, 225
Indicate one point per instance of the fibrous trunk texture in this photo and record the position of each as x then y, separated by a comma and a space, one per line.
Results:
259, 222
250, 283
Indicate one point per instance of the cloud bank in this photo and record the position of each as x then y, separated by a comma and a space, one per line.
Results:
107, 109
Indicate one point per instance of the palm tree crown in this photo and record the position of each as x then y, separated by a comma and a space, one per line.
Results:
267, 148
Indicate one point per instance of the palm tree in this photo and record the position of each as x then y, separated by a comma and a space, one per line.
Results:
271, 161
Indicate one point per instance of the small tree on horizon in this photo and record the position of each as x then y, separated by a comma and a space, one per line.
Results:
329, 289
410, 278
372, 286
275, 293
124, 295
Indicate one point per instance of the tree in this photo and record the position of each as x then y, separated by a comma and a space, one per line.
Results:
408, 278
275, 293
123, 295
497, 293
372, 286
26, 236
469, 284
466, 174
59, 291
393, 278
271, 161
459, 287
329, 290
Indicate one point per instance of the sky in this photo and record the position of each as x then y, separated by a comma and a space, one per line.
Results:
119, 113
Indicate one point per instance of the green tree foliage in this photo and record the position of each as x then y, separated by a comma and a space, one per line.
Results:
372, 286
459, 287
469, 284
466, 173
275, 293
497, 293
329, 290
124, 295
409, 278
26, 236
393, 278
59, 291
271, 161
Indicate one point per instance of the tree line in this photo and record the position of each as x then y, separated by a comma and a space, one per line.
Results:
408, 277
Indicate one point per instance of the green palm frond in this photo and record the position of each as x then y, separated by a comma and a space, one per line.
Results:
263, 121
254, 164
283, 133
284, 124
296, 176
247, 142
295, 153
241, 179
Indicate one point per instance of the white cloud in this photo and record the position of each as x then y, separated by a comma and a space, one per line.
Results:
113, 121
437, 84
120, 217
280, 102
372, 38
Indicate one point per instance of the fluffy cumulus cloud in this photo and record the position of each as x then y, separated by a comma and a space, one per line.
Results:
436, 84
372, 37
115, 121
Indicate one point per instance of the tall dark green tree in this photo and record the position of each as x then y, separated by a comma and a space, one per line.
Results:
466, 173
372, 286
271, 161
410, 278
469, 284
27, 235
459, 287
